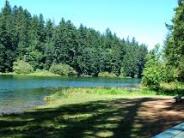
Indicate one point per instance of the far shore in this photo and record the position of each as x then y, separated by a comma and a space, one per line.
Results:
45, 73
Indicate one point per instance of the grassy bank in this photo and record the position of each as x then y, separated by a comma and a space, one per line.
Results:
96, 112
81, 95
34, 74
43, 73
46, 73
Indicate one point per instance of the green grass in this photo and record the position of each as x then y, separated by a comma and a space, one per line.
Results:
42, 73
9, 73
88, 113
80, 95
172, 88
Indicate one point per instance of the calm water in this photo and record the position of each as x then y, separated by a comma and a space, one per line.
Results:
18, 94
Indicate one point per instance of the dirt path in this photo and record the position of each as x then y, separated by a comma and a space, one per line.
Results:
158, 115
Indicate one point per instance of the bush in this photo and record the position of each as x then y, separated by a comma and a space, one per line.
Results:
153, 73
170, 74
152, 77
122, 73
43, 73
106, 74
62, 69
22, 67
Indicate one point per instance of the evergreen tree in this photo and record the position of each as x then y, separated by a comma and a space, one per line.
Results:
49, 45
7, 38
42, 44
175, 43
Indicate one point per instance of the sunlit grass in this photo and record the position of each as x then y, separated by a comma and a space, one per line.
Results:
40, 73
81, 95
172, 85
43, 73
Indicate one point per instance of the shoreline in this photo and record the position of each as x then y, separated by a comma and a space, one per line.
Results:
34, 74
67, 96
49, 74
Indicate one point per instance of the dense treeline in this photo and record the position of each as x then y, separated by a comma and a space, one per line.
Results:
41, 43
174, 50
167, 64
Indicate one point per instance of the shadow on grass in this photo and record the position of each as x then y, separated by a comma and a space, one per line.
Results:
117, 118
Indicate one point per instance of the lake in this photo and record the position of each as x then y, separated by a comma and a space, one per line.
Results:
18, 94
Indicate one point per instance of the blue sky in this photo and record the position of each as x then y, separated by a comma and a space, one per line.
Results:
143, 19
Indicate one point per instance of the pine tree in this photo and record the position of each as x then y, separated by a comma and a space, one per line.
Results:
7, 38
175, 43
42, 44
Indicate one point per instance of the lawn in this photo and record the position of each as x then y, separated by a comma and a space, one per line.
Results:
100, 113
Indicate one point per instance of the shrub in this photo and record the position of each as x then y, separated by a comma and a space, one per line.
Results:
153, 73
22, 67
122, 73
43, 73
170, 74
62, 69
152, 77
106, 74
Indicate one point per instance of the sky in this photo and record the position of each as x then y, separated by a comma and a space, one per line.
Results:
143, 19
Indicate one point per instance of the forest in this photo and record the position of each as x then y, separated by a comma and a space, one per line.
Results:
32, 41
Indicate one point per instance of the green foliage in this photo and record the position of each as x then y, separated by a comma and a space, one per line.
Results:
171, 88
154, 70
22, 67
40, 73
134, 59
170, 74
106, 74
79, 95
62, 69
122, 73
174, 50
7, 39
42, 43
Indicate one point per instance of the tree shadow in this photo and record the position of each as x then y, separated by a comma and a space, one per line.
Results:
117, 118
